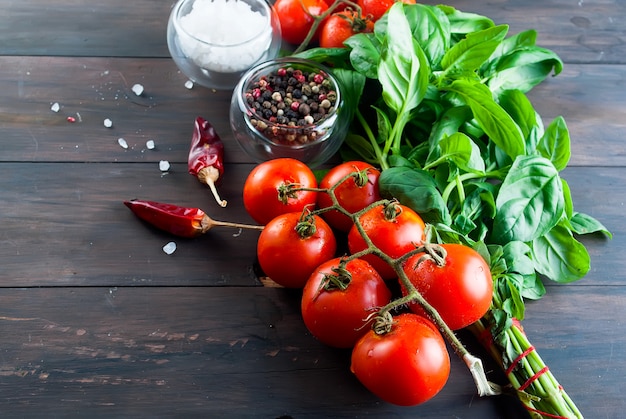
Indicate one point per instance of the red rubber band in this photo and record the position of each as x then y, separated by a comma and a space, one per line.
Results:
548, 415
533, 378
518, 359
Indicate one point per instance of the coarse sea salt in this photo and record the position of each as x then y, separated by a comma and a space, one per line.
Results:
164, 165
189, 84
169, 248
150, 144
122, 142
108, 123
55, 107
137, 89
235, 39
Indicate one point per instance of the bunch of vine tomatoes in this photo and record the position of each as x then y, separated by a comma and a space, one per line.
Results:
341, 19
345, 247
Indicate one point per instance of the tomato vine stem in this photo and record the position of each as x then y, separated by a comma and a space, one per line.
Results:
433, 251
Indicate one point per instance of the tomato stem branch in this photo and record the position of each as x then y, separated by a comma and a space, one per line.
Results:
435, 252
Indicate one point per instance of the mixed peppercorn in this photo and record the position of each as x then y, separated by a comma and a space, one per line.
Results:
288, 105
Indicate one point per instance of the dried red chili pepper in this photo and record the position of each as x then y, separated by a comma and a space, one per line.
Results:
177, 220
206, 156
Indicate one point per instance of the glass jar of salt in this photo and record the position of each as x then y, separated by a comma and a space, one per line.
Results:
213, 42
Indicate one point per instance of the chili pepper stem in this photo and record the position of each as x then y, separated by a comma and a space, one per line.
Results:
209, 176
208, 223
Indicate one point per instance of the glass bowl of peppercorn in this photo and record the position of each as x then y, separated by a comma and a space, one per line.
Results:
289, 107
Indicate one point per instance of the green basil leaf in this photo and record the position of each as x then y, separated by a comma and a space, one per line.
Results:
403, 68
586, 224
524, 68
471, 53
449, 123
509, 288
463, 152
530, 201
532, 287
352, 84
431, 29
361, 149
517, 105
338, 57
462, 23
567, 200
383, 124
555, 143
526, 38
364, 53
417, 190
559, 256
492, 118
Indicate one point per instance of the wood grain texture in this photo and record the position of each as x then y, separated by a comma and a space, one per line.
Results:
589, 97
579, 31
68, 223
227, 352
97, 321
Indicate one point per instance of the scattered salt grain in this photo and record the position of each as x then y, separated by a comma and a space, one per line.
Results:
169, 248
55, 107
189, 84
236, 38
150, 144
137, 89
122, 142
164, 165
108, 123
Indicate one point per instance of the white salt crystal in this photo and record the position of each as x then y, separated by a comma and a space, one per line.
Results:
189, 84
169, 248
164, 165
55, 107
150, 144
236, 38
122, 142
108, 123
138, 89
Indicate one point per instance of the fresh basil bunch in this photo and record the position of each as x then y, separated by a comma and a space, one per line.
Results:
440, 105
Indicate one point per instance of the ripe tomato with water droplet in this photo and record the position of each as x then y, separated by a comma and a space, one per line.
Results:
406, 366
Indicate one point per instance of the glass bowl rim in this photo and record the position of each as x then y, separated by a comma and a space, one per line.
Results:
269, 16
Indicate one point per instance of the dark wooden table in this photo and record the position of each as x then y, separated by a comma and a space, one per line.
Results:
96, 320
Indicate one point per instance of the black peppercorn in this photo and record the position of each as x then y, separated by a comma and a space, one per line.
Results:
290, 98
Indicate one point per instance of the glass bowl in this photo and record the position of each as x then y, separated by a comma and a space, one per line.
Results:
213, 42
289, 107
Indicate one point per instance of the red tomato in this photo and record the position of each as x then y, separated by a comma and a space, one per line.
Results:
376, 8
407, 366
296, 17
341, 26
260, 191
337, 317
395, 234
460, 291
287, 257
351, 196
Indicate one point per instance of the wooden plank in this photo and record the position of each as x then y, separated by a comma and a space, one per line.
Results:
245, 353
587, 96
67, 224
91, 90
85, 28
580, 32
